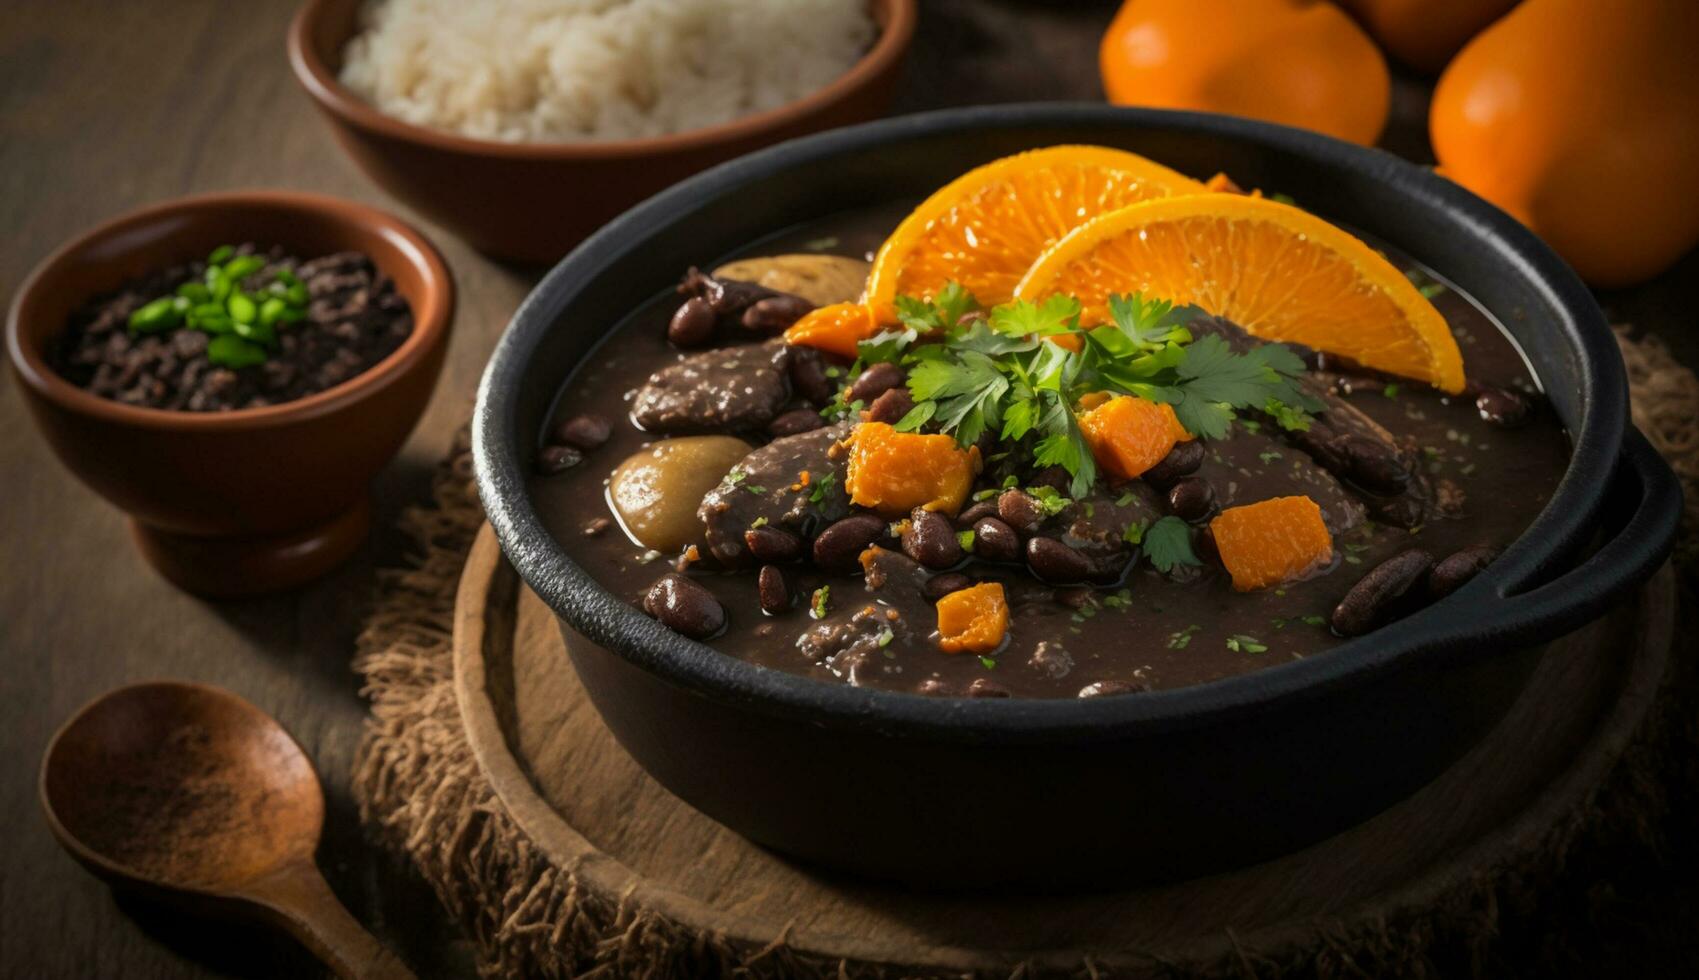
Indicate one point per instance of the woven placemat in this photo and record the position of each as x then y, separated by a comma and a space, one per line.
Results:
1604, 883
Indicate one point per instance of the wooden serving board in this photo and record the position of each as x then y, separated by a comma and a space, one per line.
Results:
589, 807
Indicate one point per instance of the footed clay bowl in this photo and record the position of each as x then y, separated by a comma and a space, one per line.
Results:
249, 501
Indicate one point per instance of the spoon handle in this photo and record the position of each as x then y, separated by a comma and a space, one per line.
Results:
300, 900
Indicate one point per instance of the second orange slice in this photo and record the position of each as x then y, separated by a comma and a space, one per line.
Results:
1274, 269
986, 227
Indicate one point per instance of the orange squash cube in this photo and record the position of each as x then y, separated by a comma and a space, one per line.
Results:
1129, 435
973, 619
894, 472
1271, 541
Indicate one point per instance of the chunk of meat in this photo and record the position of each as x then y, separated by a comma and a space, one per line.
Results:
731, 389
867, 629
767, 489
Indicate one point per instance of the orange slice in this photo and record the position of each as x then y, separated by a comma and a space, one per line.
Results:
1278, 271
1271, 541
985, 228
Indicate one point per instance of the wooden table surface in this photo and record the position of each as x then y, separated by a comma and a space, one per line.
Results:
106, 106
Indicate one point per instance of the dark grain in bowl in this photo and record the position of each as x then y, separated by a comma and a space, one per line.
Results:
252, 500
1307, 748
533, 201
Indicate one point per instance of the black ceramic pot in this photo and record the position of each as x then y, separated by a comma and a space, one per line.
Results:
1059, 792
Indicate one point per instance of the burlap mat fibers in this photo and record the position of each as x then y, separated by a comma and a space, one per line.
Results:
1611, 883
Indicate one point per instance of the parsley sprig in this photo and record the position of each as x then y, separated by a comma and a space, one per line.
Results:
998, 373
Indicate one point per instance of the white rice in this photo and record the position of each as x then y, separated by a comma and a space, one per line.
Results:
574, 70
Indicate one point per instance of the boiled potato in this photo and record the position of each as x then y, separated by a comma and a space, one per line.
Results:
820, 279
656, 491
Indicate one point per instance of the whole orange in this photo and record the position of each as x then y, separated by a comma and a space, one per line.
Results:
1298, 62
1584, 125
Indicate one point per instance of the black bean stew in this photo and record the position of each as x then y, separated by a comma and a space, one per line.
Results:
729, 521
310, 325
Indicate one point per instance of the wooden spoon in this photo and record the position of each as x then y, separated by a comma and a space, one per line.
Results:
188, 793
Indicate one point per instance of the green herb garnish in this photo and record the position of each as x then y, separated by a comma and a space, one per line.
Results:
243, 324
1245, 643
822, 597
824, 488
965, 539
998, 374
1168, 543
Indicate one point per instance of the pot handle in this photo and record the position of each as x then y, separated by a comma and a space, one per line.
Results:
1622, 563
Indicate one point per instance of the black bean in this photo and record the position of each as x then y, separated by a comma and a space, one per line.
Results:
1450, 573
939, 586
775, 313
1103, 689
1502, 406
1380, 596
1403, 510
693, 323
1075, 598
995, 541
1109, 569
1374, 465
558, 459
984, 687
890, 407
933, 687
772, 544
773, 590
585, 432
795, 421
873, 382
808, 376
1055, 562
1183, 460
839, 547
930, 539
1191, 499
684, 607
968, 518
1020, 510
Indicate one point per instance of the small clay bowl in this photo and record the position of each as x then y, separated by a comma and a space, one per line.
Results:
534, 201
250, 501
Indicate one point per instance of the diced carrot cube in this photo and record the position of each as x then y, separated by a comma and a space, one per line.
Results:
1271, 541
836, 329
973, 619
1129, 435
894, 472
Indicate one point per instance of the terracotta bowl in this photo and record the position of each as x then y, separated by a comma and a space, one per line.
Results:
533, 202
260, 499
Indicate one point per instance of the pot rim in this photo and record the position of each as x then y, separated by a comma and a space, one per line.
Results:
1438, 631
896, 31
431, 316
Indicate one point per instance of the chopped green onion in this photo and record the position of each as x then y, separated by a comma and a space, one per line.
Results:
221, 254
297, 294
271, 310
259, 333
242, 268
243, 309
194, 292
234, 352
161, 314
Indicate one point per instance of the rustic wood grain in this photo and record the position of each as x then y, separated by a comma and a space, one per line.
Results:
570, 786
105, 106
